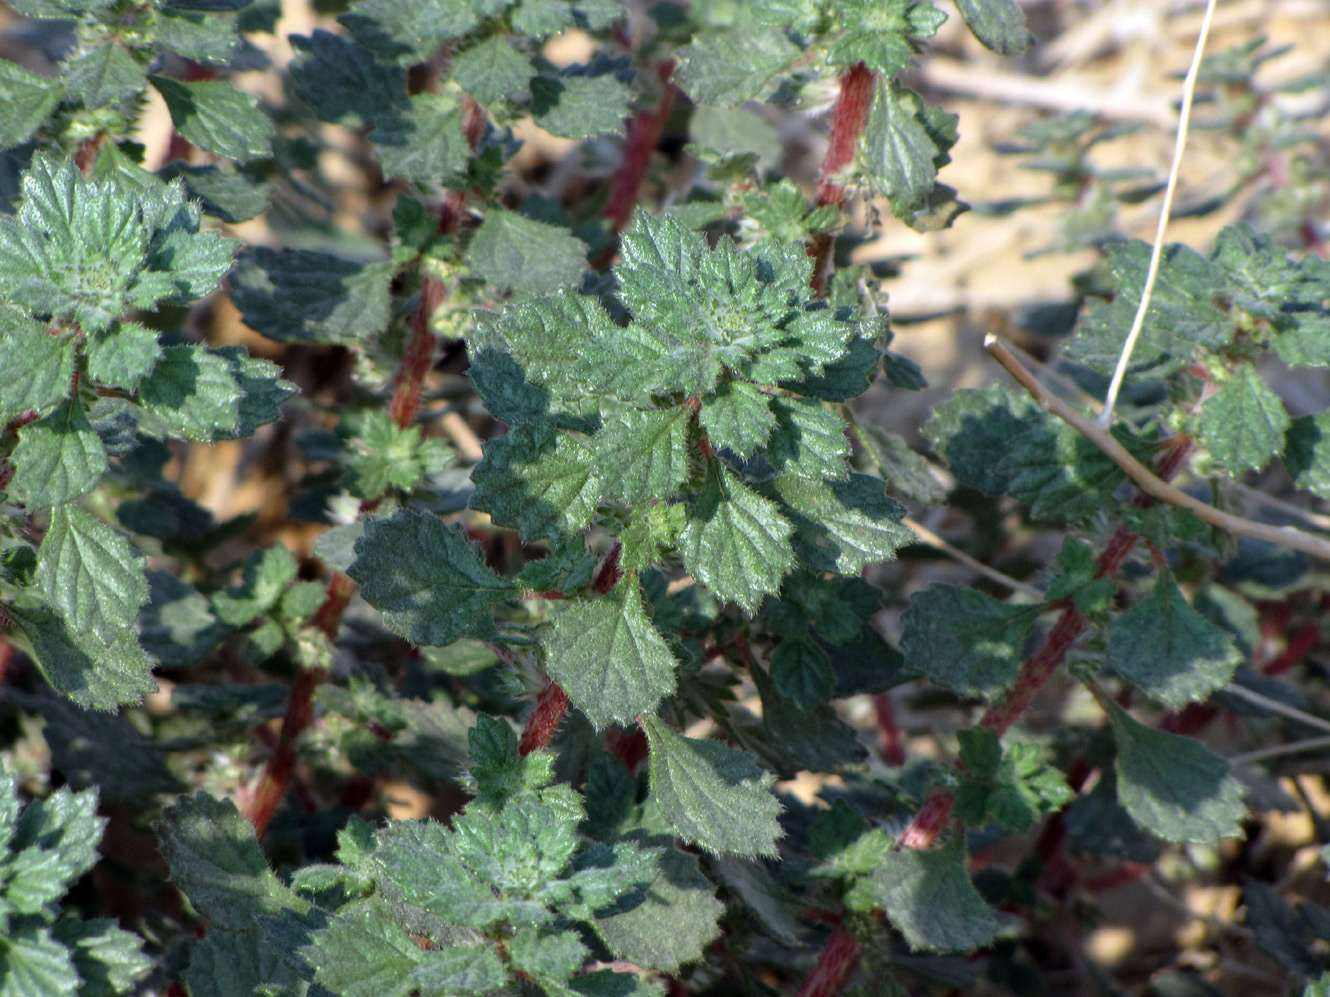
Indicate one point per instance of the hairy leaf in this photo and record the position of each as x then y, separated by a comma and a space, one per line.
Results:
519, 253
1244, 424
965, 640
57, 458
217, 117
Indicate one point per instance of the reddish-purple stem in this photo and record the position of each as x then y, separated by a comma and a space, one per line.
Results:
545, 719
848, 119
834, 966
644, 131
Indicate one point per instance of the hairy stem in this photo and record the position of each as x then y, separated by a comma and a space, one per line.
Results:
644, 131
834, 966
848, 119
551, 705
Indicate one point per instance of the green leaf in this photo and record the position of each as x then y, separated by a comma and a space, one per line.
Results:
39, 367
230, 195
266, 575
899, 151
737, 417
801, 671
714, 796
33, 964
736, 542
492, 70
643, 455
406, 32
729, 131
518, 253
580, 107
674, 924
57, 458
104, 77
123, 355
1244, 424
262, 391
843, 526
808, 439
303, 296
343, 83
965, 640
928, 897
26, 101
426, 142
208, 38
193, 394
217, 117
542, 18
428, 580
975, 425
609, 658
1061, 474
545, 955
1168, 650
364, 956
1173, 786
108, 959
96, 673
906, 472
1306, 452
883, 34
998, 24
90, 574
215, 860
1012, 787
460, 969
730, 67
813, 739
542, 482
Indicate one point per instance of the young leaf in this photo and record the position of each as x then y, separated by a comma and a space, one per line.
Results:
492, 70
730, 67
519, 253
427, 579
807, 440
90, 574
999, 24
217, 117
32, 962
609, 658
460, 969
736, 542
215, 860
26, 100
883, 34
579, 107
365, 955
737, 417
1244, 424
1173, 786
193, 394
965, 640
39, 367
108, 959
57, 458
266, 576
1168, 650
713, 795
123, 355
928, 897
674, 924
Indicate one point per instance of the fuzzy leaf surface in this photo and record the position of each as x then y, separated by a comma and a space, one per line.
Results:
26, 100
428, 580
714, 796
518, 253
730, 67
425, 142
609, 658
39, 367
90, 574
883, 34
303, 296
999, 24
843, 526
96, 673
643, 455
965, 640
543, 482
57, 458
217, 117
1244, 424
492, 70
580, 107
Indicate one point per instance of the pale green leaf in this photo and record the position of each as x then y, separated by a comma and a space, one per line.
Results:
217, 117
57, 458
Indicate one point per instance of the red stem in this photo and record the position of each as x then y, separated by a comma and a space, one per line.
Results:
848, 119
545, 719
281, 765
888, 733
609, 573
644, 131
834, 966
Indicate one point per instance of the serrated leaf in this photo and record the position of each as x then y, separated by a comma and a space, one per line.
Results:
123, 355
492, 70
580, 107
406, 32
808, 439
843, 526
459, 969
262, 391
90, 574
217, 117
518, 253
364, 956
928, 897
1173, 786
1244, 424
227, 194
26, 100
883, 34
1012, 787
215, 860
95, 673
609, 658
199, 37
976, 424
1059, 473
33, 964
965, 640
736, 542
109, 960
538, 480
998, 24
801, 671
730, 67
738, 417
643, 455
266, 575
105, 76
426, 142
1168, 650
1307, 453
714, 796
427, 579
57, 458
39, 367
906, 472
193, 393
546, 955
898, 150
542, 18
296, 296
674, 924
236, 963
343, 83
